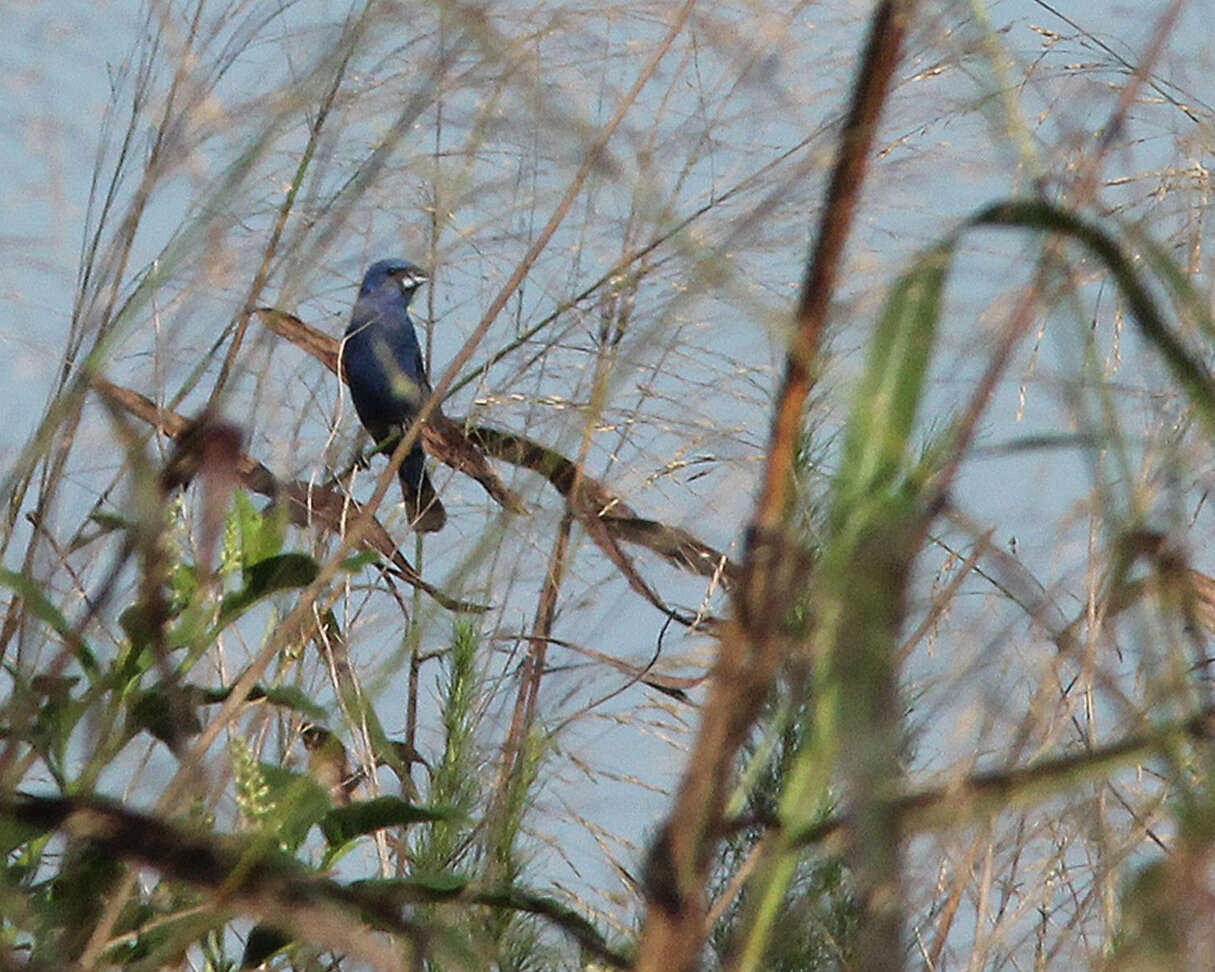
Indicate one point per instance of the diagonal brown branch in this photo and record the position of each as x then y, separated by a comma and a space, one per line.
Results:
443, 438
607, 518
278, 890
308, 504
980, 794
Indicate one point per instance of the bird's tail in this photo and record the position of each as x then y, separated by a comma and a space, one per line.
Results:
422, 504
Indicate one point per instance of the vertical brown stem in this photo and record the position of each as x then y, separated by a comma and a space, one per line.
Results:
751, 647
542, 629
515, 748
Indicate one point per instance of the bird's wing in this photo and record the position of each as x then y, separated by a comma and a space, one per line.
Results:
423, 375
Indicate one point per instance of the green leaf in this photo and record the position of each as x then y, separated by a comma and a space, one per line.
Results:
365, 558
263, 942
886, 402
343, 824
300, 802
183, 585
290, 697
106, 523
266, 577
169, 713
415, 889
42, 609
261, 533
14, 833
138, 625
279, 573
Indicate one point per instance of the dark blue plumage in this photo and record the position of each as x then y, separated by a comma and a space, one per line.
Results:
382, 361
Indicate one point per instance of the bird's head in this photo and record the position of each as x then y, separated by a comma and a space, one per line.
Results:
395, 273
314, 736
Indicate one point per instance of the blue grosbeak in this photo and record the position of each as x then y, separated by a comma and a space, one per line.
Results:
383, 364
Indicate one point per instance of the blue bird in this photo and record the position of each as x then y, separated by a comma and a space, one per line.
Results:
382, 361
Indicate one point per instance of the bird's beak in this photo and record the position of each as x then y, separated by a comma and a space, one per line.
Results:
412, 279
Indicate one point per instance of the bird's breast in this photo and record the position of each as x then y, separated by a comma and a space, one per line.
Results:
381, 374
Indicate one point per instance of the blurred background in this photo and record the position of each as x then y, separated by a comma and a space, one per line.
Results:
171, 166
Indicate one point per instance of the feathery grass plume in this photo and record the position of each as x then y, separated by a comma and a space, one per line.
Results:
252, 791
